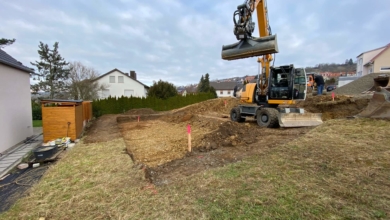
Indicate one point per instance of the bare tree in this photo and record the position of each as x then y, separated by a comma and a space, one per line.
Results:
82, 83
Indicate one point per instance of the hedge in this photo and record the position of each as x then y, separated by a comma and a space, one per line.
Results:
36, 110
114, 105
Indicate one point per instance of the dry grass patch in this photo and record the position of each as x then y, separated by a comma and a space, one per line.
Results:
156, 142
89, 182
339, 170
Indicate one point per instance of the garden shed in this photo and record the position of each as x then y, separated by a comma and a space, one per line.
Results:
64, 118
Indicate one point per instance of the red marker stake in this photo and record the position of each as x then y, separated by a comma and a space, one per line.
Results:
189, 137
333, 96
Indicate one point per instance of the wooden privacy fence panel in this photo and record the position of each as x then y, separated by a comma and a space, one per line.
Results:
87, 110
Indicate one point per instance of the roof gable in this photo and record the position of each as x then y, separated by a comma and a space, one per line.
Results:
10, 61
101, 76
373, 59
223, 85
370, 51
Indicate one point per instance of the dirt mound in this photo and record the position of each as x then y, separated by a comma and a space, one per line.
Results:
215, 108
212, 105
358, 86
229, 134
140, 111
343, 106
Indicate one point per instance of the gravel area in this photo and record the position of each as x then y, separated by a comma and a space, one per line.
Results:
358, 86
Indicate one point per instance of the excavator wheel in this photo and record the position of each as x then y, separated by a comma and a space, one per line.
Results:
267, 118
235, 115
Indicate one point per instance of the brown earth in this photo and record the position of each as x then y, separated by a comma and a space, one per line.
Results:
158, 143
343, 105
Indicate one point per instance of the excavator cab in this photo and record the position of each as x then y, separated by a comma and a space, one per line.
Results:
287, 83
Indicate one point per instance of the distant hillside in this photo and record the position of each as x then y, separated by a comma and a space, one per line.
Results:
333, 68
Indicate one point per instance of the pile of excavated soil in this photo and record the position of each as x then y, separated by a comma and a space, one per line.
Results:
343, 105
212, 105
358, 86
140, 111
218, 108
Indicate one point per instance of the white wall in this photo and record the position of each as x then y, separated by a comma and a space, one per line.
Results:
345, 80
225, 93
15, 110
118, 89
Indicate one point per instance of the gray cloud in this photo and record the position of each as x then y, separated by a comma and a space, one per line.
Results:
178, 41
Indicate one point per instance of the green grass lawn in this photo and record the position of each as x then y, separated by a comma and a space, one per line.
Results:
37, 123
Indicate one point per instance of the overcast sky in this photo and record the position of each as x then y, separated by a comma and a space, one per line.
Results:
179, 40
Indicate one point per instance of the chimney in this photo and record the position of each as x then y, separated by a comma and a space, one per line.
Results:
133, 74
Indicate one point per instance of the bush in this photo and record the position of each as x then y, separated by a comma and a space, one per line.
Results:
36, 111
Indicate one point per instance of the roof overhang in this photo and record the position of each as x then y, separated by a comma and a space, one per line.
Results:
61, 102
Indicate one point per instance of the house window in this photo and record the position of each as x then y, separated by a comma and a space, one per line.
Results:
120, 79
129, 92
229, 92
112, 79
221, 92
385, 68
105, 93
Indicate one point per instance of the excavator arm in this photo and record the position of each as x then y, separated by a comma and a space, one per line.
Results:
249, 46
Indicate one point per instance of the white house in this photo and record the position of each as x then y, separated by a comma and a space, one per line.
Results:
224, 89
362, 67
118, 83
380, 62
15, 101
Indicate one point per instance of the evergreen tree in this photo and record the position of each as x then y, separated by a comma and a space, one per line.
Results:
53, 70
6, 42
201, 84
206, 83
162, 90
350, 62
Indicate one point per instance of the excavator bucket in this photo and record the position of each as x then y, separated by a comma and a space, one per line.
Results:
250, 48
379, 105
299, 119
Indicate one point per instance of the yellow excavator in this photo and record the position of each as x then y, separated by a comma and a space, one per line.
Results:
276, 90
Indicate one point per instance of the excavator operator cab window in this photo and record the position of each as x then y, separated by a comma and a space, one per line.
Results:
280, 79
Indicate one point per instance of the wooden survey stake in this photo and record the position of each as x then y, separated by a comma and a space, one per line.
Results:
189, 137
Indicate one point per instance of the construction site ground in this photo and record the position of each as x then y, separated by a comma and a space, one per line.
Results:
157, 142
129, 169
